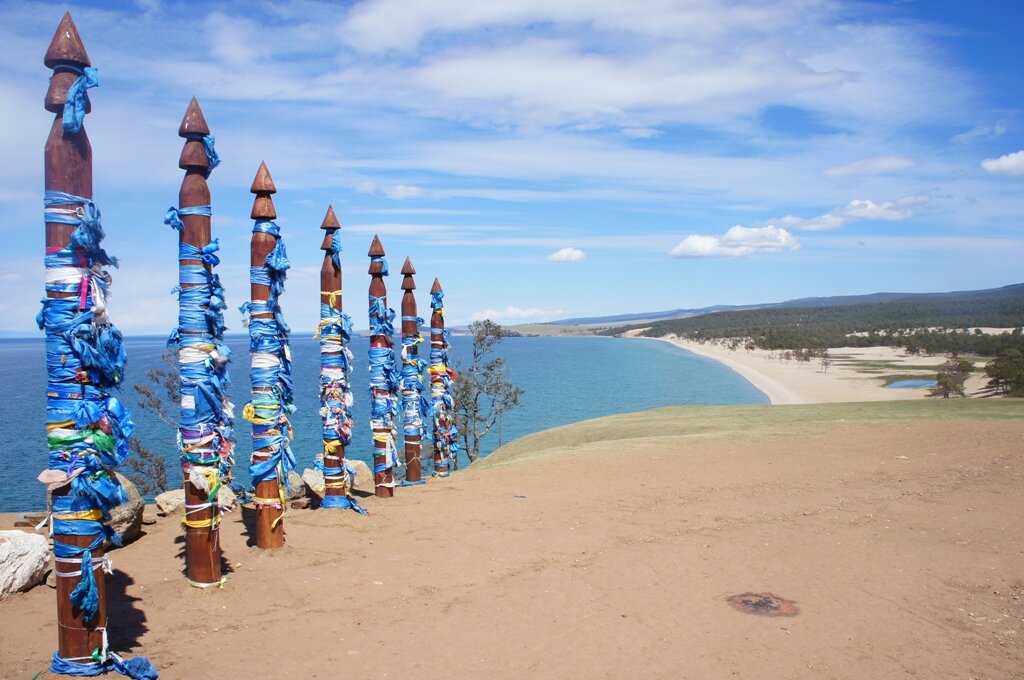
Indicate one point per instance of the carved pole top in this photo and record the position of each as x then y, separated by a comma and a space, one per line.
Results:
330, 219
66, 46
377, 253
263, 187
194, 123
436, 288
408, 283
193, 154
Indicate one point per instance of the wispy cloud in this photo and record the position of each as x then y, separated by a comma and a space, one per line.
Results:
979, 132
858, 210
872, 166
517, 314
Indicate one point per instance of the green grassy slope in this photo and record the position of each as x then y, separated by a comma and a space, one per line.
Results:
681, 422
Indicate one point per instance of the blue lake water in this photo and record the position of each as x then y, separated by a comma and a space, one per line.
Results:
911, 384
565, 380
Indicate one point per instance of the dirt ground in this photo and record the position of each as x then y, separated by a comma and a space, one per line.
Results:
902, 546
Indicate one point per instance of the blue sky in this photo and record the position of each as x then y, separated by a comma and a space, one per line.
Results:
543, 159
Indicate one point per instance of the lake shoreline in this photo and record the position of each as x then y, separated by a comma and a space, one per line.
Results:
854, 373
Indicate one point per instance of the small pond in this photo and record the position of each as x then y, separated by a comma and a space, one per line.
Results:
912, 384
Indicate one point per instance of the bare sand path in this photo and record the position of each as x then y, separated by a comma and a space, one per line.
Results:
902, 544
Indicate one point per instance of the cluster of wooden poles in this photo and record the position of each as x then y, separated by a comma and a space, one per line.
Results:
206, 440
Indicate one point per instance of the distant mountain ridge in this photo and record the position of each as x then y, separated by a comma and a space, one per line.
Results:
1012, 290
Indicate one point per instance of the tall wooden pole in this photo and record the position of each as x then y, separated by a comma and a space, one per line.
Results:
272, 398
206, 442
446, 446
412, 378
87, 428
334, 332
68, 169
383, 381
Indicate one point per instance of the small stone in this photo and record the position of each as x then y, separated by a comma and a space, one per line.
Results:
226, 498
170, 502
314, 479
363, 479
296, 488
300, 504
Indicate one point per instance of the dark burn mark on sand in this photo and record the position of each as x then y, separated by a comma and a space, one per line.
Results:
763, 604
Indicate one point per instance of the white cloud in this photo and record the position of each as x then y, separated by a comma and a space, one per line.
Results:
871, 166
567, 255
1011, 164
737, 242
512, 313
858, 210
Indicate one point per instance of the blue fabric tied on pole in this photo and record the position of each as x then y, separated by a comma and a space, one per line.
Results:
383, 261
74, 103
138, 668
273, 391
173, 215
446, 446
88, 231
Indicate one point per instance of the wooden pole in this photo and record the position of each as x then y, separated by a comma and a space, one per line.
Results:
412, 377
68, 169
201, 429
335, 369
382, 375
270, 420
445, 447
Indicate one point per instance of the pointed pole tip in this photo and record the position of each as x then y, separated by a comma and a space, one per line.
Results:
330, 219
407, 268
66, 45
376, 248
263, 183
194, 122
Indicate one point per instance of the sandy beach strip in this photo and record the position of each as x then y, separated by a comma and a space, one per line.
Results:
854, 374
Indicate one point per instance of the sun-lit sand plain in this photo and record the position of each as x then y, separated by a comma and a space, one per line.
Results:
609, 548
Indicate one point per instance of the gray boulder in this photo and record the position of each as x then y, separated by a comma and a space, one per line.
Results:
24, 560
126, 519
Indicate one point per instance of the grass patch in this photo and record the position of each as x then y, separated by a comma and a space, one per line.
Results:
675, 422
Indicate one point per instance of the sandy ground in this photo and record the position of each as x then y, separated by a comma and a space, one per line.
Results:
844, 380
902, 546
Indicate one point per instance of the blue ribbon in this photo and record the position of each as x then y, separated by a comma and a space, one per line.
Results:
74, 103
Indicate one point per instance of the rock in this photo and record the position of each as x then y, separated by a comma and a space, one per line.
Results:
296, 487
170, 502
30, 519
301, 504
24, 559
126, 519
51, 579
314, 479
226, 498
363, 477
